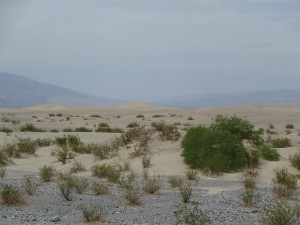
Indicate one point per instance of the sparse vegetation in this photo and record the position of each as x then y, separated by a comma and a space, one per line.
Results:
133, 125
47, 173
30, 185
104, 127
281, 143
92, 214
290, 126
83, 129
269, 153
100, 188
112, 173
11, 195
80, 184
146, 161
133, 196
6, 130
295, 160
77, 167
151, 185
191, 174
186, 191
284, 183
175, 181
2, 171
30, 127
168, 132
279, 213
63, 154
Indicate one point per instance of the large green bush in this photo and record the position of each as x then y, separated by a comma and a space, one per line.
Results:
219, 148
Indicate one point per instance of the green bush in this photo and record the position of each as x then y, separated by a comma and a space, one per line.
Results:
133, 125
269, 153
47, 173
281, 143
6, 130
218, 150
43, 142
63, 154
104, 127
26, 145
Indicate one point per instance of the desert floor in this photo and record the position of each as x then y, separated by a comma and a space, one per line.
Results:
166, 155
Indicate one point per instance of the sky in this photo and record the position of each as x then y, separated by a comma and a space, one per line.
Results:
150, 49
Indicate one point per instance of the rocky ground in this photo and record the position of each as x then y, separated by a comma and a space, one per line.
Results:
48, 206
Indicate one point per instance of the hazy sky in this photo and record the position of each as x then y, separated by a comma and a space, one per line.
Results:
144, 49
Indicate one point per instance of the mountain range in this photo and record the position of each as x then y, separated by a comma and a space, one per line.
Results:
19, 91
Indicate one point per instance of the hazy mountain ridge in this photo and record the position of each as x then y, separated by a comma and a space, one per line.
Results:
19, 91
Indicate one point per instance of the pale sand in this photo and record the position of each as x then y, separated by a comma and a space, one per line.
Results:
166, 159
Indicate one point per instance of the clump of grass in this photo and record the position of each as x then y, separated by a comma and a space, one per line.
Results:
63, 154
6, 130
2, 171
43, 142
279, 213
249, 196
100, 151
92, 214
77, 167
127, 181
133, 125
133, 196
140, 116
269, 153
80, 184
175, 181
26, 145
146, 161
112, 173
191, 174
83, 129
104, 127
290, 126
284, 183
191, 215
295, 160
11, 195
168, 132
186, 191
65, 184
4, 158
100, 188
281, 143
47, 173
30, 185
68, 129
158, 115
30, 127
151, 185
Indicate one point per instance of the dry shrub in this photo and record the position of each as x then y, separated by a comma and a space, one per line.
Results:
175, 181
11, 195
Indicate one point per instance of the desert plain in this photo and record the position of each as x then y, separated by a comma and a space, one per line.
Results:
218, 195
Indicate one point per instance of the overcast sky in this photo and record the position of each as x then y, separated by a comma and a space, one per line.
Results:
145, 49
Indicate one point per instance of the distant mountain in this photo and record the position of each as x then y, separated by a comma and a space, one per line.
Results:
280, 97
18, 91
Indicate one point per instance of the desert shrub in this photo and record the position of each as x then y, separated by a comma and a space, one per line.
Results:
158, 116
140, 116
71, 142
279, 213
104, 127
11, 195
127, 181
151, 185
175, 181
63, 154
290, 126
295, 160
30, 186
131, 135
249, 196
217, 150
126, 166
284, 183
80, 184
2, 171
77, 167
253, 157
4, 158
6, 130
146, 161
281, 143
47, 173
190, 118
112, 173
191, 174
271, 126
133, 125
65, 184
261, 131
92, 214
26, 145
83, 129
142, 147
100, 151
30, 127
68, 129
54, 130
133, 196
43, 142
168, 132
186, 191
100, 188
191, 215
269, 153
